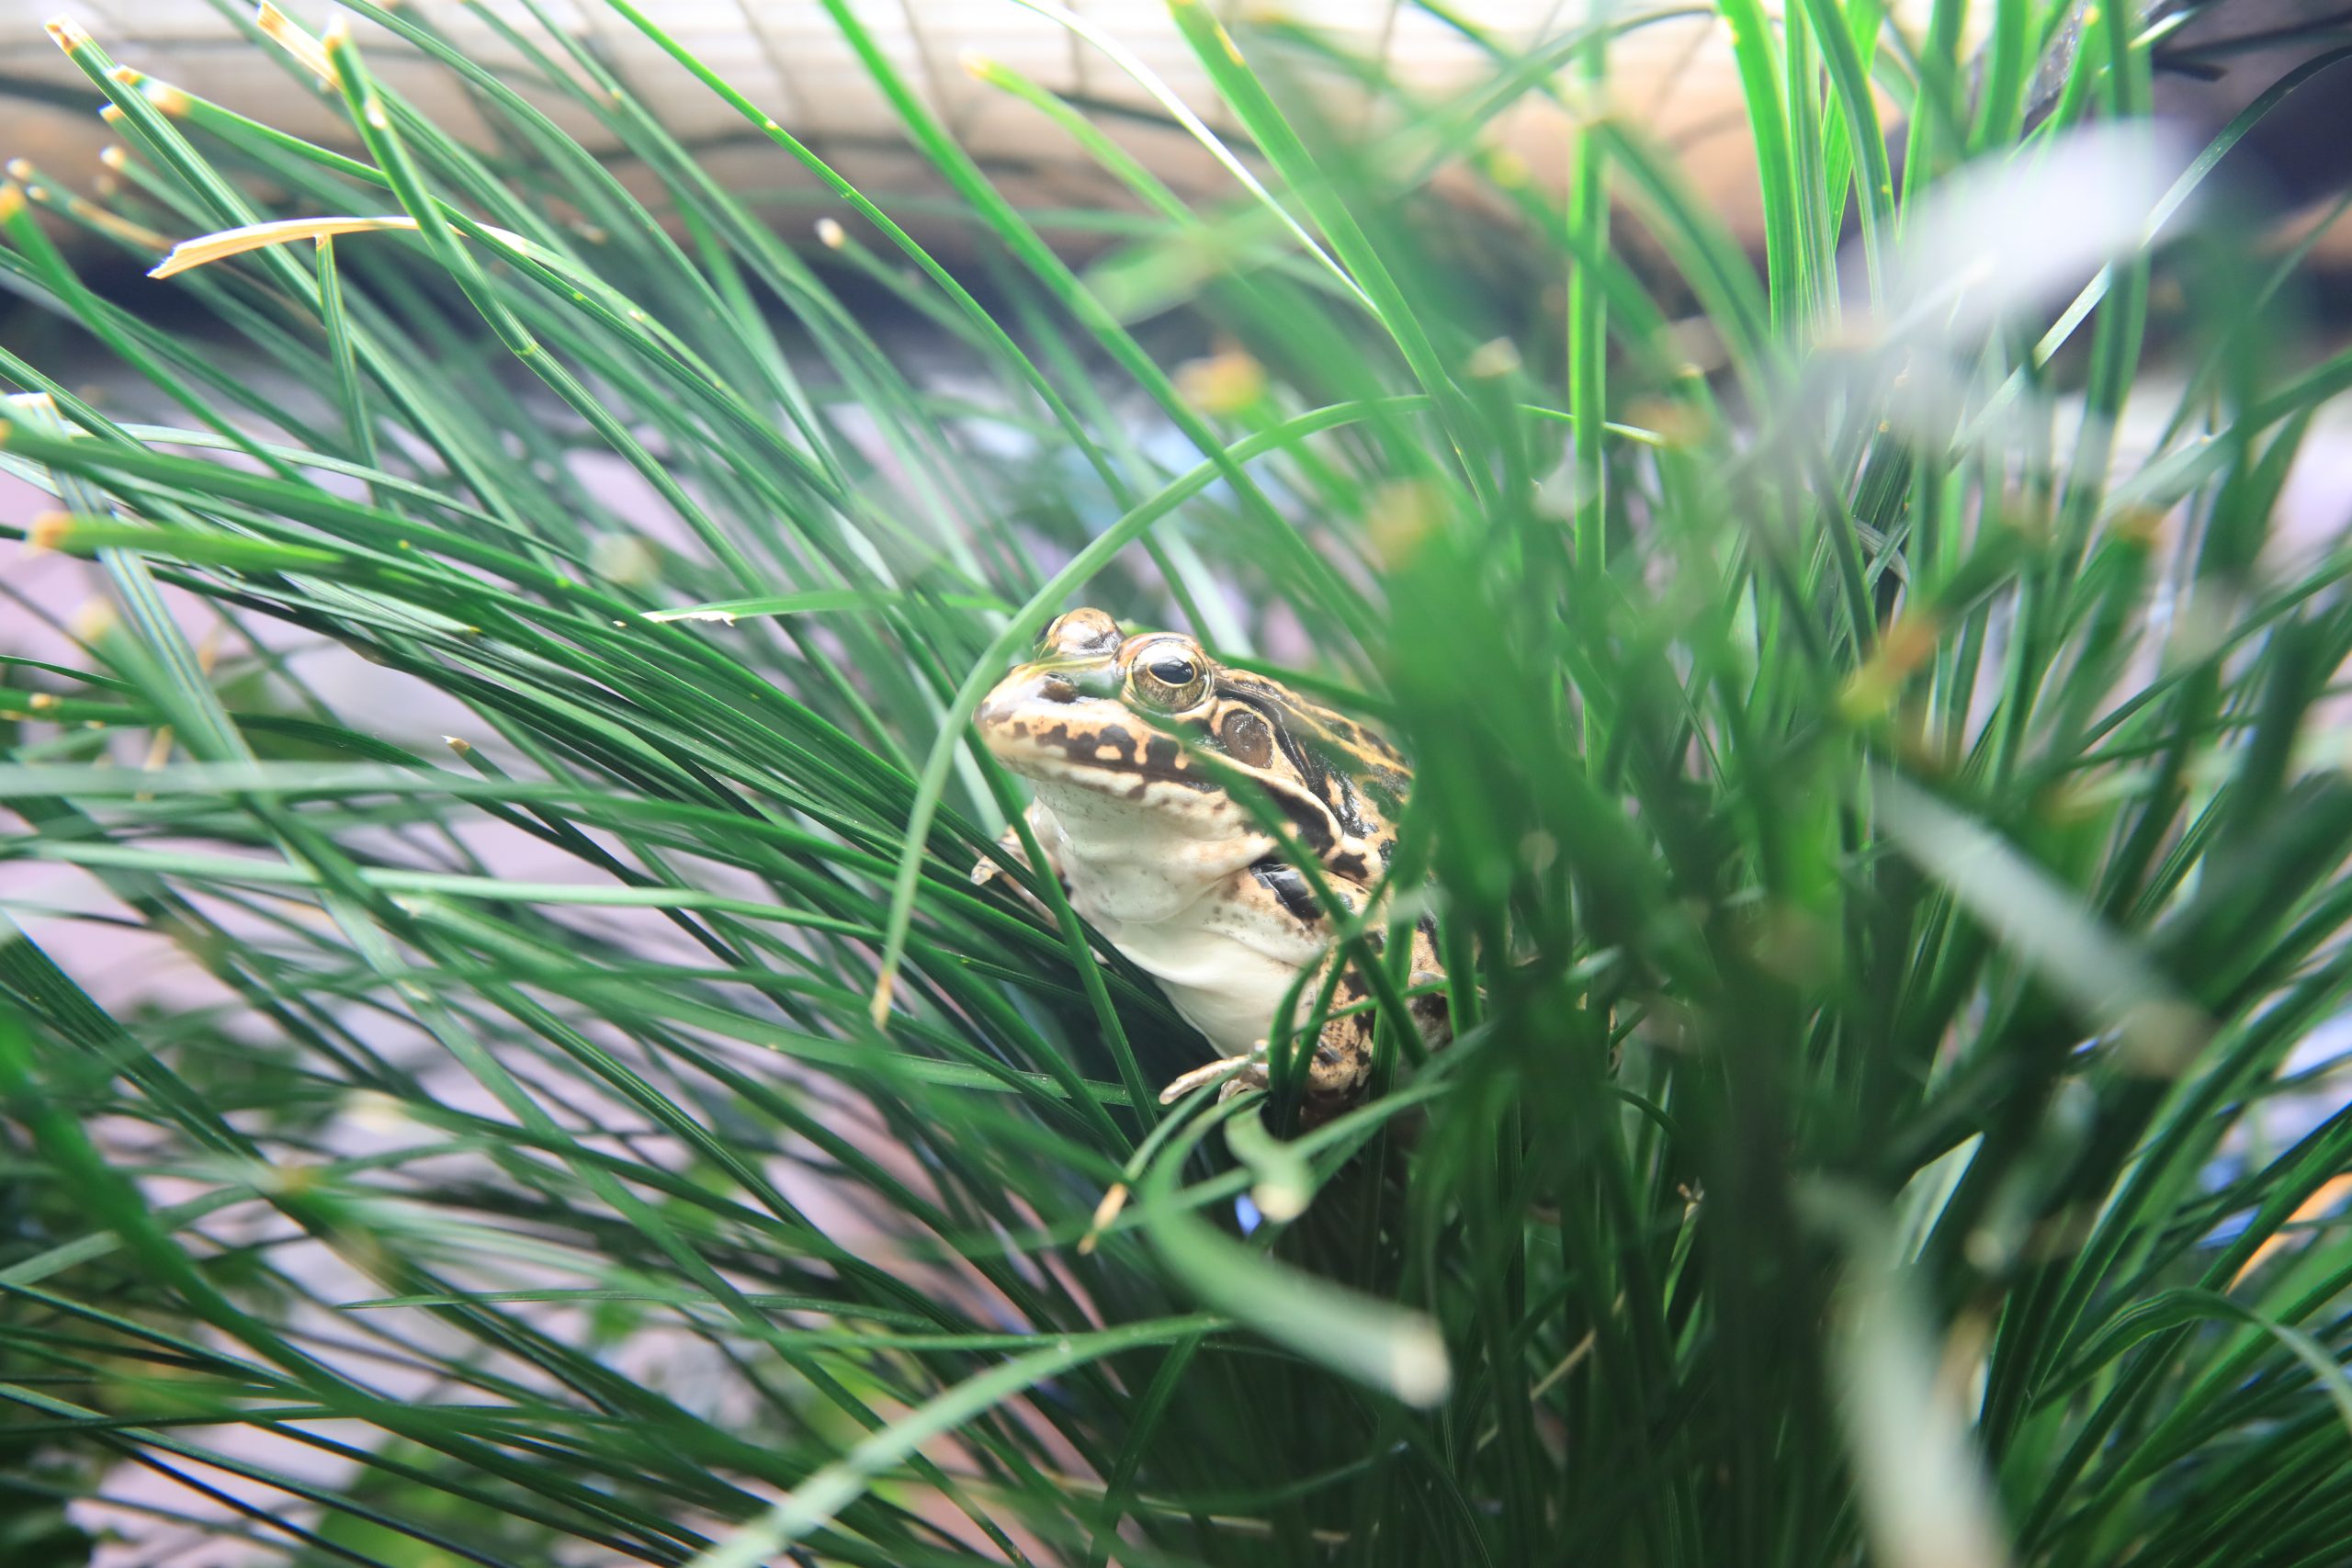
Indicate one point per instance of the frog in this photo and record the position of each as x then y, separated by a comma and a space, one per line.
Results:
1131, 744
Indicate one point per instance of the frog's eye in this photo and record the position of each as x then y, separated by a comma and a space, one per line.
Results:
1167, 677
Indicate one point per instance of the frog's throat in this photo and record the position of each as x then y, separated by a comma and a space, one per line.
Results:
1143, 862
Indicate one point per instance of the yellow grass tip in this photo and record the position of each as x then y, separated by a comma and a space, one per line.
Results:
12, 202
1495, 357
2139, 526
114, 223
624, 558
287, 34
1225, 382
113, 157
93, 620
166, 99
1401, 515
125, 75
977, 66
1419, 1371
70, 34
2325, 1197
459, 744
1506, 168
1104, 1212
1280, 1201
46, 532
20, 168
830, 234
207, 248
1905, 643
1672, 423
110, 113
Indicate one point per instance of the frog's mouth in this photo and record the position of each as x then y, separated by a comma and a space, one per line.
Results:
1039, 723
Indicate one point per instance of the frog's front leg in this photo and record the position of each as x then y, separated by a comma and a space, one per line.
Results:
988, 871
1336, 1070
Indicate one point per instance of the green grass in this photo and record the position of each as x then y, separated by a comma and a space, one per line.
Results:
1888, 849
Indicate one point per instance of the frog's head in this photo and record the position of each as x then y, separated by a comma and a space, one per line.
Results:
1095, 711
1112, 722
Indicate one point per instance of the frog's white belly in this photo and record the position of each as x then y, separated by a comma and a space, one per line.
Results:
1223, 987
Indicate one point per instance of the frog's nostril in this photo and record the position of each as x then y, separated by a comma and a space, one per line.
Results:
1024, 690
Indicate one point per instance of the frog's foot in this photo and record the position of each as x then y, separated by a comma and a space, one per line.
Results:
987, 870
992, 872
1335, 1073
1240, 1072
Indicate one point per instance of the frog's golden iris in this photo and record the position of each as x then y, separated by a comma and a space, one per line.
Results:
1158, 857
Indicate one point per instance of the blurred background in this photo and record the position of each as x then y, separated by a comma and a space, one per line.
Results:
1674, 76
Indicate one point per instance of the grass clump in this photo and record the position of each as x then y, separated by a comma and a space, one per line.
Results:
1874, 772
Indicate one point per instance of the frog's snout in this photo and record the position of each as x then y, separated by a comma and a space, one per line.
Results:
1024, 690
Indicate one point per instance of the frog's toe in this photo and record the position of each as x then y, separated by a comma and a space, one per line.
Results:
1251, 1075
1240, 1072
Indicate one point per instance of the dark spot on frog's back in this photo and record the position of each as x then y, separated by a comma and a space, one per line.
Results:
1340, 794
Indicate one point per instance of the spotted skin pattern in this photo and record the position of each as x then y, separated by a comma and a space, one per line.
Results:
1130, 742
